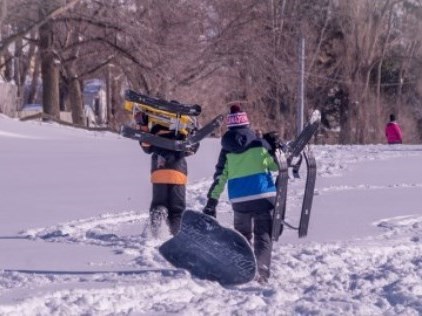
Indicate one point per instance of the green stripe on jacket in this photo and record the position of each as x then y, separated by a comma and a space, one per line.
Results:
252, 161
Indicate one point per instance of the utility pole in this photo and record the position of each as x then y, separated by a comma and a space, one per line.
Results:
301, 87
108, 95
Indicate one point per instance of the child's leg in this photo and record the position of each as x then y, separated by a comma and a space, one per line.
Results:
158, 209
263, 242
243, 224
176, 206
159, 195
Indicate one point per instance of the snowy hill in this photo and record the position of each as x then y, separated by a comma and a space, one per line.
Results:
73, 232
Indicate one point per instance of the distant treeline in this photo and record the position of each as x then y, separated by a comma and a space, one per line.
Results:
362, 58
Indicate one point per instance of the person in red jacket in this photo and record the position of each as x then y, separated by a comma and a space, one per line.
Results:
393, 132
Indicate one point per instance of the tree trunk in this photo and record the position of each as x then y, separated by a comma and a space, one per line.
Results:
8, 66
49, 72
17, 64
348, 115
34, 83
75, 98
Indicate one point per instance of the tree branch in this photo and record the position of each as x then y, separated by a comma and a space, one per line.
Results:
5, 43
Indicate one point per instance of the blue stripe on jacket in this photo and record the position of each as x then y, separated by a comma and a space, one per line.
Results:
260, 185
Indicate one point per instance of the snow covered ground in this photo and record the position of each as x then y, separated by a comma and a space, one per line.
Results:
74, 241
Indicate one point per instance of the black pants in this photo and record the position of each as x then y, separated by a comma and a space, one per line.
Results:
172, 197
257, 224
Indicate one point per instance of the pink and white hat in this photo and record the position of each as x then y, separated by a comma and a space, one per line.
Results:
236, 117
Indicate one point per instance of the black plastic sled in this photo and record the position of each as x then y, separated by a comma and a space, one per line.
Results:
284, 156
210, 251
163, 105
176, 145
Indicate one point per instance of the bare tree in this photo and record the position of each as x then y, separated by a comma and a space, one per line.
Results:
49, 61
23, 17
22, 11
363, 26
360, 55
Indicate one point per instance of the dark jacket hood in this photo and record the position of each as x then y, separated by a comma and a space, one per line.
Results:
238, 139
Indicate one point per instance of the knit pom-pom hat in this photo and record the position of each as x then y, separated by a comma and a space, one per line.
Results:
236, 117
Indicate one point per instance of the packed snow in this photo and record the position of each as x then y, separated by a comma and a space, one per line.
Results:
74, 237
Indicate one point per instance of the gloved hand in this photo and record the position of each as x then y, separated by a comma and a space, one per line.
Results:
141, 119
194, 148
273, 139
210, 207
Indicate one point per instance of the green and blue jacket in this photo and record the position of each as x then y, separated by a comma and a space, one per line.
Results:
245, 164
